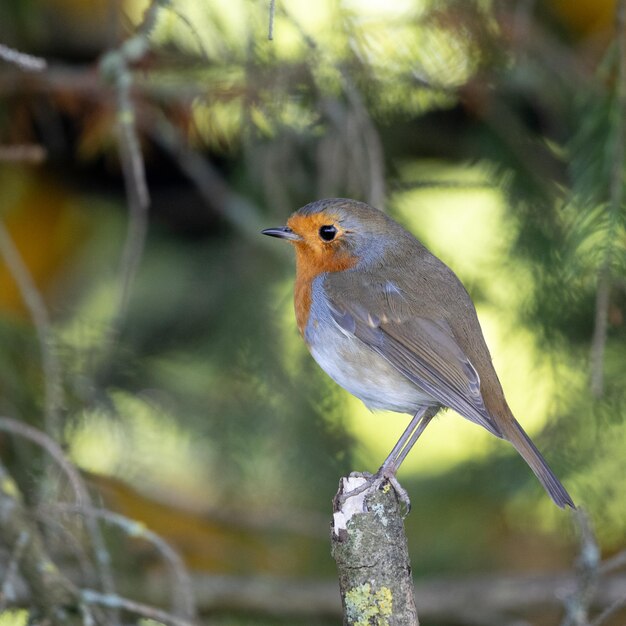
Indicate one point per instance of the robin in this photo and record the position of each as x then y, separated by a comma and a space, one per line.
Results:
394, 326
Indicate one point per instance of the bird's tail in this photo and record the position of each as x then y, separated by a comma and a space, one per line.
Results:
513, 431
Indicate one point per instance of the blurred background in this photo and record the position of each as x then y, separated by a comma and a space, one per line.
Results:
147, 327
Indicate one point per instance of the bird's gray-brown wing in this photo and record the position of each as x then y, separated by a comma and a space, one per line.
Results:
422, 349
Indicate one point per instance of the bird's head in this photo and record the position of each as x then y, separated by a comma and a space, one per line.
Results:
336, 233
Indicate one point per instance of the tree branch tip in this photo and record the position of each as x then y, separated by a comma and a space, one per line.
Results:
24, 61
345, 507
369, 546
23, 153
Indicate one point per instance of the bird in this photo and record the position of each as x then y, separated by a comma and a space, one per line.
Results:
394, 326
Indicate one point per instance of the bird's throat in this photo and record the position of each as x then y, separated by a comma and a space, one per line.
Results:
309, 266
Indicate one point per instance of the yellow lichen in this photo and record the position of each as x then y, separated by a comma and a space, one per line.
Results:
384, 598
365, 607
9, 487
48, 567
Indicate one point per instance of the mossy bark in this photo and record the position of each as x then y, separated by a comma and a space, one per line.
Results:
370, 548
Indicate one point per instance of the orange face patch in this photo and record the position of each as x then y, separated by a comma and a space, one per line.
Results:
315, 256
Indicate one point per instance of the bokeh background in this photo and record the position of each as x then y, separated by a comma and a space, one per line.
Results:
174, 377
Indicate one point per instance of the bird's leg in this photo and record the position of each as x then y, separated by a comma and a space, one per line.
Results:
407, 440
393, 461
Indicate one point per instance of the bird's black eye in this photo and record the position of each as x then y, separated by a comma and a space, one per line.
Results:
328, 232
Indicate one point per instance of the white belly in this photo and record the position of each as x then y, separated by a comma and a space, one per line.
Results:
366, 374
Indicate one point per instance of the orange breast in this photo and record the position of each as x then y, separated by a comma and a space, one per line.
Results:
310, 263
302, 299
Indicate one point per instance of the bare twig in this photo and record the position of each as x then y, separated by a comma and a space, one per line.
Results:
270, 33
364, 146
70, 542
442, 185
192, 29
445, 600
23, 153
616, 199
609, 611
598, 341
439, 600
610, 565
51, 592
373, 174
53, 394
83, 498
183, 602
138, 201
115, 66
24, 61
211, 186
117, 602
614, 563
6, 592
82, 81
578, 602
53, 449
137, 195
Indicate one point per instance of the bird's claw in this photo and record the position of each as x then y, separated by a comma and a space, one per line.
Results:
401, 494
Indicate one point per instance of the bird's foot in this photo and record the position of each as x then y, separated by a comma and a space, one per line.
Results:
401, 493
372, 482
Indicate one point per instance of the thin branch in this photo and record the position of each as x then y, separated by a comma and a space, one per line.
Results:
6, 592
90, 596
82, 496
54, 450
53, 390
51, 592
24, 61
183, 602
366, 145
603, 289
444, 600
598, 341
234, 208
374, 173
23, 153
442, 184
439, 600
115, 66
578, 602
609, 611
270, 33
81, 80
192, 29
70, 543
610, 565
138, 201
614, 563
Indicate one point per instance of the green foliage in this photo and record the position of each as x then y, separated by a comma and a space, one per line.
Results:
597, 167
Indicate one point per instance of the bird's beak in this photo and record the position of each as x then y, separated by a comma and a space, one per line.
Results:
282, 232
